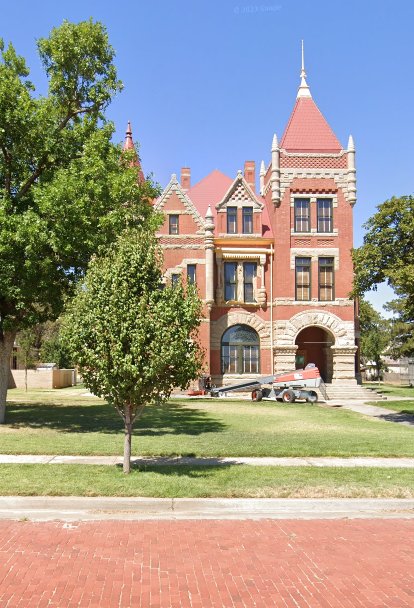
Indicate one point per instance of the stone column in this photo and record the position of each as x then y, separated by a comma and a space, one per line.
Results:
261, 291
275, 176
284, 358
351, 171
344, 365
209, 248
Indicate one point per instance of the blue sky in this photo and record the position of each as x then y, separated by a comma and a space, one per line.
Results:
208, 82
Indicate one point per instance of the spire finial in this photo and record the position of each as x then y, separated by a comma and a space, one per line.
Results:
303, 89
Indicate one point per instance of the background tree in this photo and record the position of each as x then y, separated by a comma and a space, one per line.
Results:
388, 255
53, 349
133, 341
63, 189
27, 351
375, 336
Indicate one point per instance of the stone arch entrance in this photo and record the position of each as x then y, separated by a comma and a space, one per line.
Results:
314, 346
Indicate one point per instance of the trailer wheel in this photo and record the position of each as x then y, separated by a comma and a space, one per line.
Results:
288, 396
257, 395
313, 397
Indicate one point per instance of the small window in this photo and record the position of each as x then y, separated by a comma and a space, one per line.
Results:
231, 220
230, 281
173, 224
302, 214
191, 273
247, 220
175, 278
303, 279
324, 214
249, 274
326, 279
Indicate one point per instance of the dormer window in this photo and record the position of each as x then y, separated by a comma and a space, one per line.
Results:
173, 224
302, 214
247, 215
231, 220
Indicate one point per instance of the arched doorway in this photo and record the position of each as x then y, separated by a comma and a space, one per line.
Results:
314, 346
240, 350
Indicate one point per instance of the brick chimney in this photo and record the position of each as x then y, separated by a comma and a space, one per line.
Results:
250, 174
186, 178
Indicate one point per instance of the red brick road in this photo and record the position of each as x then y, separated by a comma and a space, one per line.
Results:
295, 564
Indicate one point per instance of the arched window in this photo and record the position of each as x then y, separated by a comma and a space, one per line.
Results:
240, 351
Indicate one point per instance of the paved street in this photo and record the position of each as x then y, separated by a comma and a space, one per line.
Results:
169, 564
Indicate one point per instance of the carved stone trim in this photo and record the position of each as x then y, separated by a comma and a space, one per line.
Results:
239, 318
172, 187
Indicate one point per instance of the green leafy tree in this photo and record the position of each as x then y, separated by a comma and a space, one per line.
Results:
388, 255
375, 335
133, 341
53, 349
64, 192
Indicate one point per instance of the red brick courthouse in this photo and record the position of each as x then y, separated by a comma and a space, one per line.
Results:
273, 267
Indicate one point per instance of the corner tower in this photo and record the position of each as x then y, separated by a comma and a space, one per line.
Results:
310, 189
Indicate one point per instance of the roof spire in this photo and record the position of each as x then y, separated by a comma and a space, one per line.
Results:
303, 89
128, 143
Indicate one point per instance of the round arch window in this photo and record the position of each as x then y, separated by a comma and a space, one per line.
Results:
240, 346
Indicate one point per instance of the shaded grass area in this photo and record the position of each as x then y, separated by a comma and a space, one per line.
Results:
403, 407
391, 390
223, 481
68, 422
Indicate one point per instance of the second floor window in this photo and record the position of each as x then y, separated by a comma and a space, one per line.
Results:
249, 274
231, 220
302, 214
326, 279
324, 215
303, 279
230, 281
247, 215
175, 278
173, 224
191, 273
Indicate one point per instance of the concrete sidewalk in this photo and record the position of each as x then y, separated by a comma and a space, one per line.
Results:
49, 508
143, 461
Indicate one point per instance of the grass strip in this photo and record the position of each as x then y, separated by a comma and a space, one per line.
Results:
234, 481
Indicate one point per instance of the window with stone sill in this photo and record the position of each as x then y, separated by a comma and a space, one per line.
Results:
173, 224
302, 215
247, 220
231, 220
303, 279
326, 279
324, 212
245, 274
191, 273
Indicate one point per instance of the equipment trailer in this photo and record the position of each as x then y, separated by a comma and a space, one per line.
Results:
286, 387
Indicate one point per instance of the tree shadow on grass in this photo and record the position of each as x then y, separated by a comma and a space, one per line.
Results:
157, 420
195, 471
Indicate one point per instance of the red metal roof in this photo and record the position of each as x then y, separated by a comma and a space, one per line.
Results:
209, 191
308, 131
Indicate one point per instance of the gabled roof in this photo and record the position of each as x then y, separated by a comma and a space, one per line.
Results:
308, 131
174, 186
209, 191
241, 190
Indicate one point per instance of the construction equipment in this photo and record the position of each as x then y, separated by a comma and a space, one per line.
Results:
286, 387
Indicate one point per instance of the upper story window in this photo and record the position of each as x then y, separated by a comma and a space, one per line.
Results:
326, 279
230, 281
249, 274
247, 215
173, 225
191, 273
303, 279
302, 214
324, 214
231, 220
175, 278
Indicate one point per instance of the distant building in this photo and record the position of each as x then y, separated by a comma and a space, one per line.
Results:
273, 267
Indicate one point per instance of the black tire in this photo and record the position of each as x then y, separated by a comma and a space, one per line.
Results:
288, 396
313, 397
257, 395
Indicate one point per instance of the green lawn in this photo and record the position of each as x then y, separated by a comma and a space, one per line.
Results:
67, 422
224, 481
391, 390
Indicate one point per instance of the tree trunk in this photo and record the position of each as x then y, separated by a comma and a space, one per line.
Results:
6, 347
128, 437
